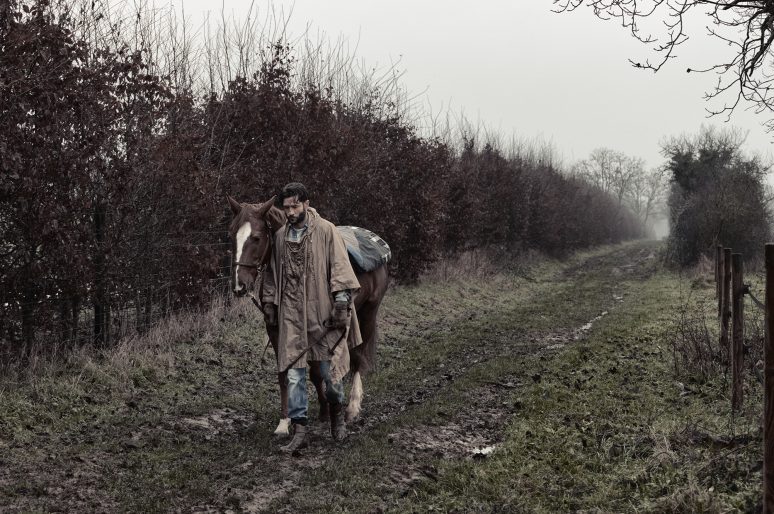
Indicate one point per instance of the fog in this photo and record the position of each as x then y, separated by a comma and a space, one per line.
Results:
518, 69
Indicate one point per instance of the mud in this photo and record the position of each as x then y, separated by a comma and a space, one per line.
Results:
258, 475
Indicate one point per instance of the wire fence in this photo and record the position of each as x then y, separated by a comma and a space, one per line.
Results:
132, 299
730, 291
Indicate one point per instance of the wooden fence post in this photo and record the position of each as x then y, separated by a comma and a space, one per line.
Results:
725, 311
718, 268
768, 388
228, 293
736, 354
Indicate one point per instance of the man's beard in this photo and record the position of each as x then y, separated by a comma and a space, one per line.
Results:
298, 220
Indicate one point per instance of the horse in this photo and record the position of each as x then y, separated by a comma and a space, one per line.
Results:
252, 231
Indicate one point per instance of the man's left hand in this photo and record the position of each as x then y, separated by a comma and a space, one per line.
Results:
339, 315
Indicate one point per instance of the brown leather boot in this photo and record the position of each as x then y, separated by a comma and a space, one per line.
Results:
298, 441
325, 412
338, 427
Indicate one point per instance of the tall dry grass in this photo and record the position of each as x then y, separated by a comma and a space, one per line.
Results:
114, 366
156, 349
483, 263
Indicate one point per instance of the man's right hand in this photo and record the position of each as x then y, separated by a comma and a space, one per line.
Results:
269, 314
339, 315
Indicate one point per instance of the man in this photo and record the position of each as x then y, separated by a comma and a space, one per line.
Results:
308, 292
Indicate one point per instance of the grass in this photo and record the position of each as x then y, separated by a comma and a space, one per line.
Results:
606, 428
580, 418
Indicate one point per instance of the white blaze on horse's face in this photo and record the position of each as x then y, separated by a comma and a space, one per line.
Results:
241, 238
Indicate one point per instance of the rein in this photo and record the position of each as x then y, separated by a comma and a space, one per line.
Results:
259, 267
256, 302
319, 342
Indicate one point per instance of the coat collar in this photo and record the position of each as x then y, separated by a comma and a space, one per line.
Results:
311, 220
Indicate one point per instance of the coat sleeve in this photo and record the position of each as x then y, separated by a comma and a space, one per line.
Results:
269, 290
342, 275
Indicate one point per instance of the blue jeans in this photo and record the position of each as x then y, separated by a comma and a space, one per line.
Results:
298, 401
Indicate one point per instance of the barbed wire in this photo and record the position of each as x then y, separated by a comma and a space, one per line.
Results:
757, 302
85, 326
53, 299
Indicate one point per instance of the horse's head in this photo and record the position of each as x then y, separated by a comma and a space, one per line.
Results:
251, 232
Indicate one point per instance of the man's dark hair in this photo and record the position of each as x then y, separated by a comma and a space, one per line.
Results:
290, 190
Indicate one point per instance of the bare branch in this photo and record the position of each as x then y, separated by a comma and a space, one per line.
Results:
746, 25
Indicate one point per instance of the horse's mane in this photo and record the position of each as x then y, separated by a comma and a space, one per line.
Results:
239, 219
275, 216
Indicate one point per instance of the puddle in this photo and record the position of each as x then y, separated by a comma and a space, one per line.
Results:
446, 441
218, 421
585, 328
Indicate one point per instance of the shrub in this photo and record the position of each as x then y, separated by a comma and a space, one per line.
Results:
717, 196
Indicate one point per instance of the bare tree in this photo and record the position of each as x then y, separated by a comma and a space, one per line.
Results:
626, 182
647, 194
611, 171
747, 26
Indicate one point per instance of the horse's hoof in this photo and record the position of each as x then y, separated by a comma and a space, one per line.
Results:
350, 414
283, 428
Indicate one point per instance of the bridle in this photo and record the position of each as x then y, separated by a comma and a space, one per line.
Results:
259, 267
260, 264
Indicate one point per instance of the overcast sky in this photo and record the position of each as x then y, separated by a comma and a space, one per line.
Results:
521, 69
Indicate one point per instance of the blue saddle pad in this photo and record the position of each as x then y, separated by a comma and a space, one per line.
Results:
366, 250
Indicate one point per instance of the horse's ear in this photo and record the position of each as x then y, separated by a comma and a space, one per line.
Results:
235, 206
265, 206
276, 219
272, 215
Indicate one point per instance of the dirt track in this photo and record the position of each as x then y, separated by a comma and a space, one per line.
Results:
190, 439
468, 429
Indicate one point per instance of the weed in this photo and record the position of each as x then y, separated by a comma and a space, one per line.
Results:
696, 355
577, 411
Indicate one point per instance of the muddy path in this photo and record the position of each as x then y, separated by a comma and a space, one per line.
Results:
467, 416
199, 438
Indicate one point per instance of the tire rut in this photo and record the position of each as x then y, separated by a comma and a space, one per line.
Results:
475, 431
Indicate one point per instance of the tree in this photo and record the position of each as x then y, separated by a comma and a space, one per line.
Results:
622, 178
745, 25
717, 196
611, 171
76, 117
646, 195
626, 181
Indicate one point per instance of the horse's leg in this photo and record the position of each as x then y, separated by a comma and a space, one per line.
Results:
282, 379
361, 359
355, 398
373, 286
317, 380
283, 427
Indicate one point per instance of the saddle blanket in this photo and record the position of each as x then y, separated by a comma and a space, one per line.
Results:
366, 250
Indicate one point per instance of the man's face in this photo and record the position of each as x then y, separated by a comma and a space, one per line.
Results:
295, 210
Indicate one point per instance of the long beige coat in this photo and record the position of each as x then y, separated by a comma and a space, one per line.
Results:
327, 271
